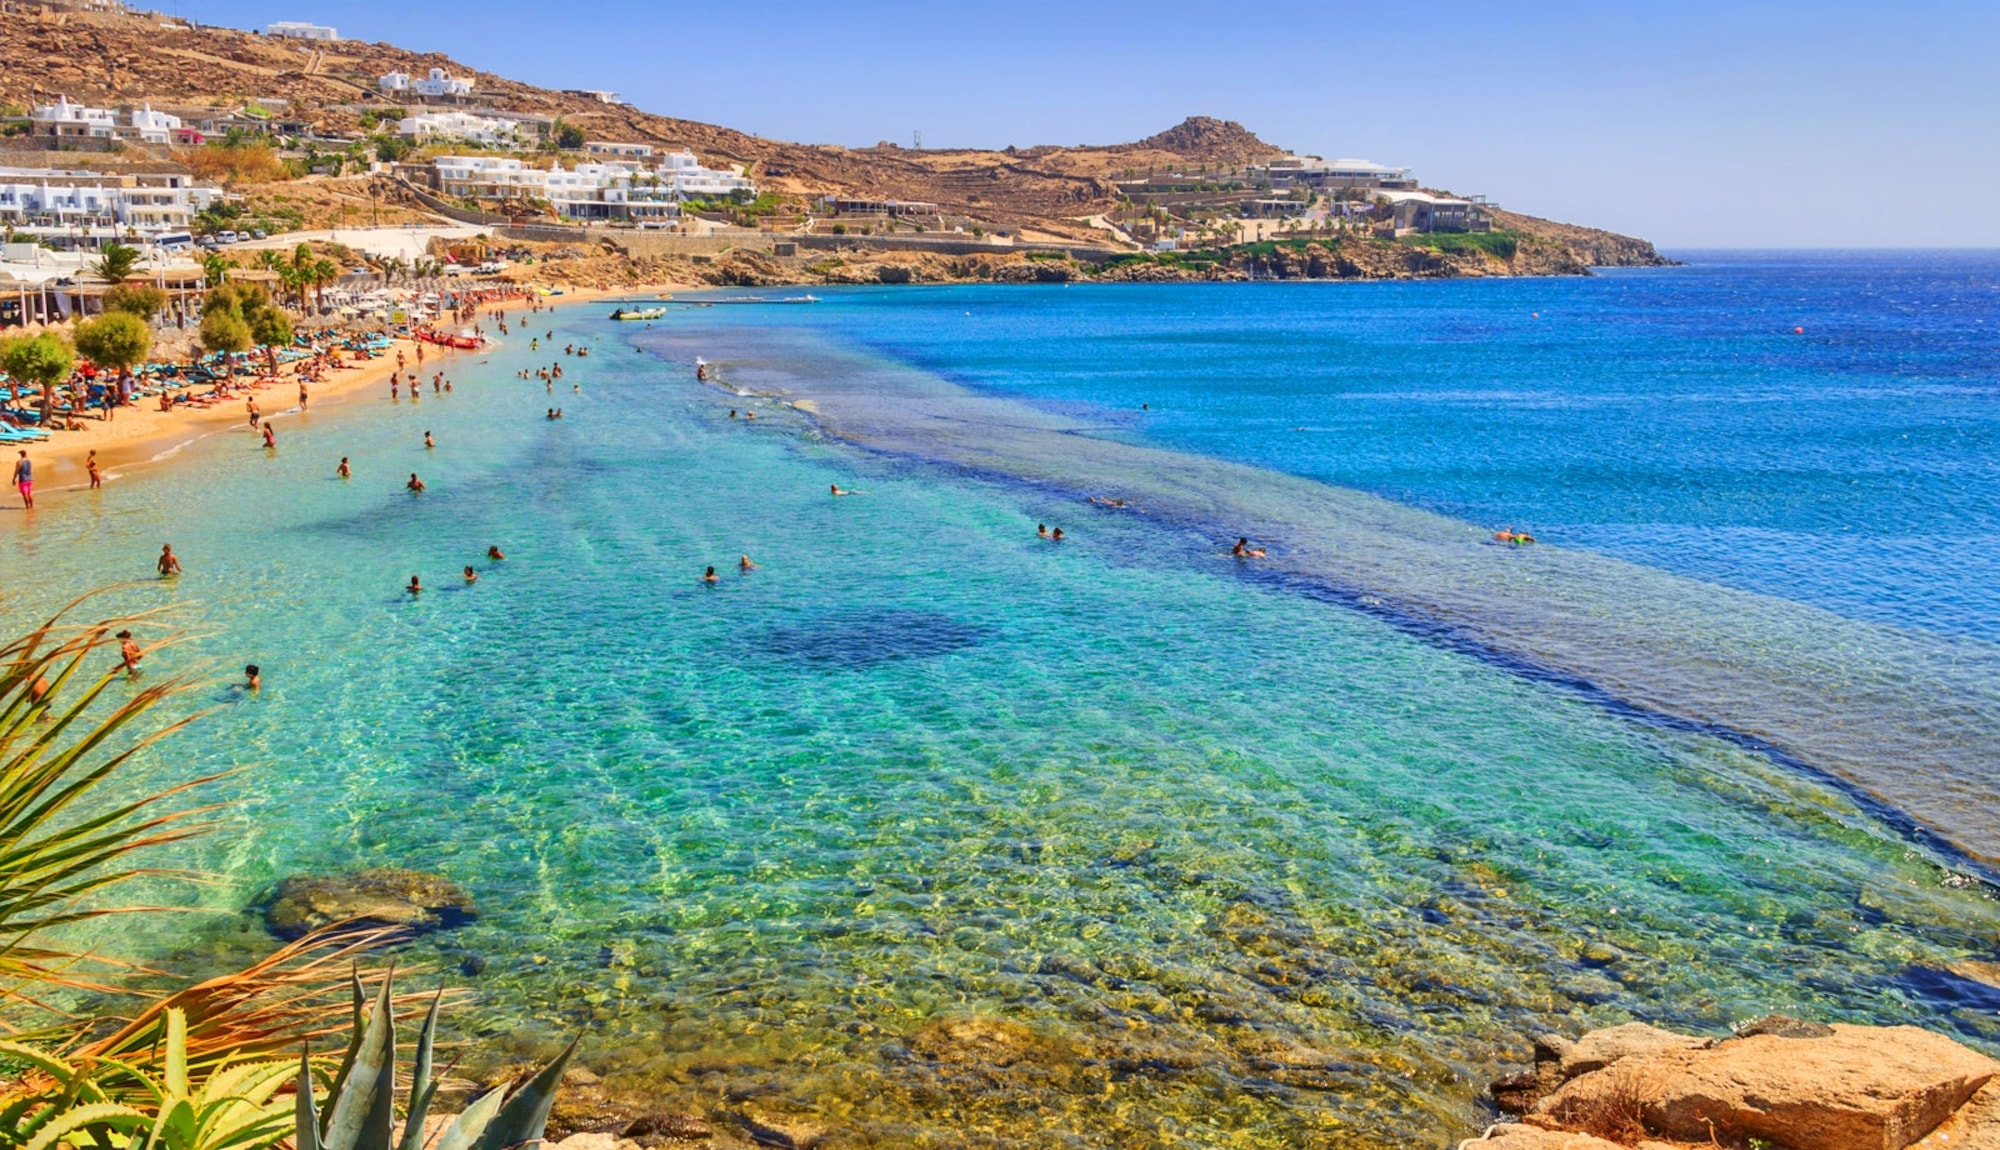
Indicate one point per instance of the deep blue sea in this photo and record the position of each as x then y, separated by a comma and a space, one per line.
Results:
930, 831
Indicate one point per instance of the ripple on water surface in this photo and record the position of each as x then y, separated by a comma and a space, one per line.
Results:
945, 835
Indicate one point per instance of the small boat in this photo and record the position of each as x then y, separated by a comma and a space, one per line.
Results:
638, 312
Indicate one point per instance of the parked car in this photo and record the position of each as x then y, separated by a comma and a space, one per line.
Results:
256, 233
227, 238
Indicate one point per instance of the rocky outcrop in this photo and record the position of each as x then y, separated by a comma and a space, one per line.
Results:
1780, 1082
377, 897
1519, 1136
1208, 139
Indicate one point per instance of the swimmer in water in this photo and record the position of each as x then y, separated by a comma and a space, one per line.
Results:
129, 653
415, 486
1243, 550
838, 491
494, 553
416, 586
253, 679
1055, 536
429, 442
709, 576
1042, 530
344, 471
270, 436
744, 564
471, 576
170, 563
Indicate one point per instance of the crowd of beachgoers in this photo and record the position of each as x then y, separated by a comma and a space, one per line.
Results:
100, 418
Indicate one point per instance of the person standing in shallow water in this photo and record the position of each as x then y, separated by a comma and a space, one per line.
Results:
24, 481
170, 563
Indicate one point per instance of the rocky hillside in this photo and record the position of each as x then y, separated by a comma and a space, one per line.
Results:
1042, 193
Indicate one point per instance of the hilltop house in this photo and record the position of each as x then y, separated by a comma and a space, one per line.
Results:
440, 84
67, 120
626, 151
489, 131
154, 127
296, 30
1325, 175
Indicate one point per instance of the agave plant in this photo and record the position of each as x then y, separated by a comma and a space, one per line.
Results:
360, 1114
229, 1108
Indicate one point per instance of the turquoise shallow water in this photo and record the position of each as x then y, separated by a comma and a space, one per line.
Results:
1232, 861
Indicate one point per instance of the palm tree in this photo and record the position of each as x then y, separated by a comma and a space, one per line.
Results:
322, 273
215, 268
115, 263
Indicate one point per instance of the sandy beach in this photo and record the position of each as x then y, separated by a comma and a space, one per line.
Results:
141, 438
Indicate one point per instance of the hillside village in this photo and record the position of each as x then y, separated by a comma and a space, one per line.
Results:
130, 126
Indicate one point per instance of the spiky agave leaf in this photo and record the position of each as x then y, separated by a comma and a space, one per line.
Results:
422, 1089
306, 1130
470, 1126
363, 1110
525, 1116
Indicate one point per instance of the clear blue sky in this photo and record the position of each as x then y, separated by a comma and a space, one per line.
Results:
1832, 124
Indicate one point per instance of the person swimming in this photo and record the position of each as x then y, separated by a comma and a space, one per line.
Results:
494, 553
416, 586
838, 491
429, 443
415, 486
1243, 550
471, 576
1055, 535
253, 679
709, 576
1041, 530
744, 564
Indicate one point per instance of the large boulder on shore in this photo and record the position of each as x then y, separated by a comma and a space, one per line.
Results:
1856, 1088
379, 896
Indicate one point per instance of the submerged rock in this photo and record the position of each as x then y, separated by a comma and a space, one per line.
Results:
1784, 1026
991, 1041
380, 896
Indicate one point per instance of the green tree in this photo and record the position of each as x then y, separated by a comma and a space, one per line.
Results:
568, 136
140, 299
115, 262
216, 267
116, 340
224, 331
43, 360
271, 327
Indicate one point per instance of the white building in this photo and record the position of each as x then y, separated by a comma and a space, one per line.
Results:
598, 94
627, 151
55, 203
154, 127
612, 190
490, 131
1314, 172
63, 118
690, 179
295, 30
439, 83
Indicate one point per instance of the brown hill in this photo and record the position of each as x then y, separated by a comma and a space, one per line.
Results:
1209, 140
108, 57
